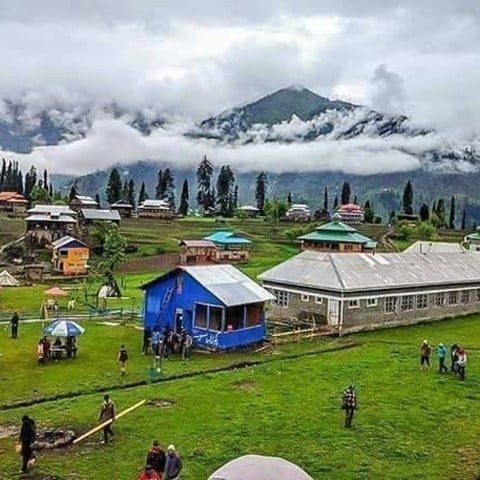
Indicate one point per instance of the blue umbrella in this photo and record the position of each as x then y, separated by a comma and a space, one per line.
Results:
63, 327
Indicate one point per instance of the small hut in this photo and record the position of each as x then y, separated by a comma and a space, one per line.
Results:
8, 280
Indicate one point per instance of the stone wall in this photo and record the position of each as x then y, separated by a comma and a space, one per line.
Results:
300, 309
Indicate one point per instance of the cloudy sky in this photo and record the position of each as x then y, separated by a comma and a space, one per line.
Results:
195, 58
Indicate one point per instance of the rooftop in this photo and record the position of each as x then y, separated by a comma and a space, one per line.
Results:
56, 218
51, 210
151, 203
105, 215
349, 272
62, 242
122, 203
434, 247
227, 237
85, 200
350, 207
198, 243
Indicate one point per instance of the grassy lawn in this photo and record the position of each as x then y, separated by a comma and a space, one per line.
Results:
411, 424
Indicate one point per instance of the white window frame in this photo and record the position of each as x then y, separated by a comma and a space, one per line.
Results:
411, 303
354, 303
318, 300
462, 293
282, 298
477, 295
437, 297
452, 295
372, 302
421, 306
388, 302
305, 297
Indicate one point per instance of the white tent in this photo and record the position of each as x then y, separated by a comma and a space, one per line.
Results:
8, 280
256, 467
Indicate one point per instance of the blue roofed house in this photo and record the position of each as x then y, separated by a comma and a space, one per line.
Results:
217, 304
231, 247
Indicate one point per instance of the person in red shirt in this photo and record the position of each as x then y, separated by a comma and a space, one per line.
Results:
149, 474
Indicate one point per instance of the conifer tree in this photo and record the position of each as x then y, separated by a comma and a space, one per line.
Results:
408, 199
114, 187
261, 191
184, 198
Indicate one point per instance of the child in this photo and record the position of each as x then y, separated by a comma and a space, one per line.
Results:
123, 359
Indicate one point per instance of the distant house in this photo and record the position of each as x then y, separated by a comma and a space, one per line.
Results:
351, 212
355, 291
70, 256
231, 247
336, 236
249, 210
424, 246
90, 216
298, 212
123, 208
197, 251
473, 241
158, 209
47, 223
13, 202
218, 305
82, 202
321, 215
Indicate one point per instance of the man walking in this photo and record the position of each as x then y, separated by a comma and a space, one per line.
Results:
173, 464
461, 363
122, 359
441, 354
14, 325
425, 351
349, 404
107, 412
28, 434
156, 458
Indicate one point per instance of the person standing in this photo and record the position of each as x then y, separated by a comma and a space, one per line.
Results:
453, 357
441, 354
107, 412
14, 321
187, 343
173, 464
28, 434
156, 458
349, 404
122, 359
425, 351
461, 363
147, 336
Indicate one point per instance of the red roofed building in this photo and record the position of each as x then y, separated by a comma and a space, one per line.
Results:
351, 212
13, 202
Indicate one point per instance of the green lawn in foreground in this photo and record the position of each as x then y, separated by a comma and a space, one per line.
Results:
411, 424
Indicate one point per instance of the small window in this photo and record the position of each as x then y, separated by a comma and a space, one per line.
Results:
318, 300
439, 299
464, 296
406, 303
353, 304
477, 295
201, 316
452, 298
372, 302
391, 304
305, 298
422, 301
281, 298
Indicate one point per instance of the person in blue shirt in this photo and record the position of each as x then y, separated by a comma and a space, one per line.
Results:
442, 354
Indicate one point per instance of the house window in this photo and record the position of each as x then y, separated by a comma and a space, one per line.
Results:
318, 300
254, 315
439, 299
452, 298
464, 296
422, 301
406, 303
353, 303
305, 298
234, 318
391, 304
215, 318
372, 302
201, 318
477, 295
281, 298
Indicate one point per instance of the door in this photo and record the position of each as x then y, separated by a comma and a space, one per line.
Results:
333, 312
178, 320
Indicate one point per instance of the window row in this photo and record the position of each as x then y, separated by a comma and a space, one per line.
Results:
227, 319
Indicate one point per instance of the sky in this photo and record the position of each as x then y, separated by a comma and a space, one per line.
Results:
194, 59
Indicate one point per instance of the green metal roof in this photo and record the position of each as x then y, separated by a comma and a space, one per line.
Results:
473, 236
227, 238
338, 232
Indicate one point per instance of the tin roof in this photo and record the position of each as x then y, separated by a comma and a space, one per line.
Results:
62, 242
227, 237
121, 204
51, 209
152, 203
198, 243
39, 217
423, 246
228, 284
338, 232
106, 215
344, 272
86, 200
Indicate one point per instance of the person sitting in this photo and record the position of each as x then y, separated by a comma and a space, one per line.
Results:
71, 346
149, 474
47, 348
57, 348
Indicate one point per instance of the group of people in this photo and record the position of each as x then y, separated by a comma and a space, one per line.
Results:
47, 351
162, 465
163, 343
458, 358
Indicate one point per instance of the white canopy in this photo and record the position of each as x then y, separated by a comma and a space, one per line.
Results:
256, 467
8, 280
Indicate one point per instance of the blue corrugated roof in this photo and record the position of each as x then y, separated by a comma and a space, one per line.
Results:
227, 237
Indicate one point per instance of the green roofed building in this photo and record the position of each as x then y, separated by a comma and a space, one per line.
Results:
231, 247
473, 241
336, 236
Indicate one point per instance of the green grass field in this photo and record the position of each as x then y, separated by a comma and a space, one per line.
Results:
411, 424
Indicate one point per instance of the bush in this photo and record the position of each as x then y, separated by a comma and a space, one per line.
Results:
16, 250
159, 250
426, 231
404, 230
377, 220
299, 230
131, 249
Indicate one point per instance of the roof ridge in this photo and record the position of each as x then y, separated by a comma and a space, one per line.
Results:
335, 269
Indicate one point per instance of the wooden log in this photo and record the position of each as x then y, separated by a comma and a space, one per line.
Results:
293, 332
107, 422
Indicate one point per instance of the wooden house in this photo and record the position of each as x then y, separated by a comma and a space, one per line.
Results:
473, 241
89, 216
231, 247
249, 210
82, 202
217, 304
351, 212
124, 208
298, 212
70, 256
197, 252
156, 209
13, 202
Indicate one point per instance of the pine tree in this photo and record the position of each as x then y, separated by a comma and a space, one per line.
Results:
205, 192
335, 203
30, 182
392, 218
408, 199
368, 212
289, 199
451, 221
184, 197
355, 200
3, 175
50, 190
234, 205
225, 191
114, 187
261, 191
97, 199
441, 212
160, 188
142, 196
346, 192
73, 193
124, 190
169, 187
130, 192
464, 219
19, 186
325, 200
45, 179
424, 213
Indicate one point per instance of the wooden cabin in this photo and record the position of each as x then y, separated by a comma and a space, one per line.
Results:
197, 252
70, 256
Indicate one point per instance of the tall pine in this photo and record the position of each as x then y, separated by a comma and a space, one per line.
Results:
114, 187
142, 196
261, 191
451, 220
408, 199
205, 191
346, 192
130, 192
464, 219
325, 200
225, 191
184, 198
